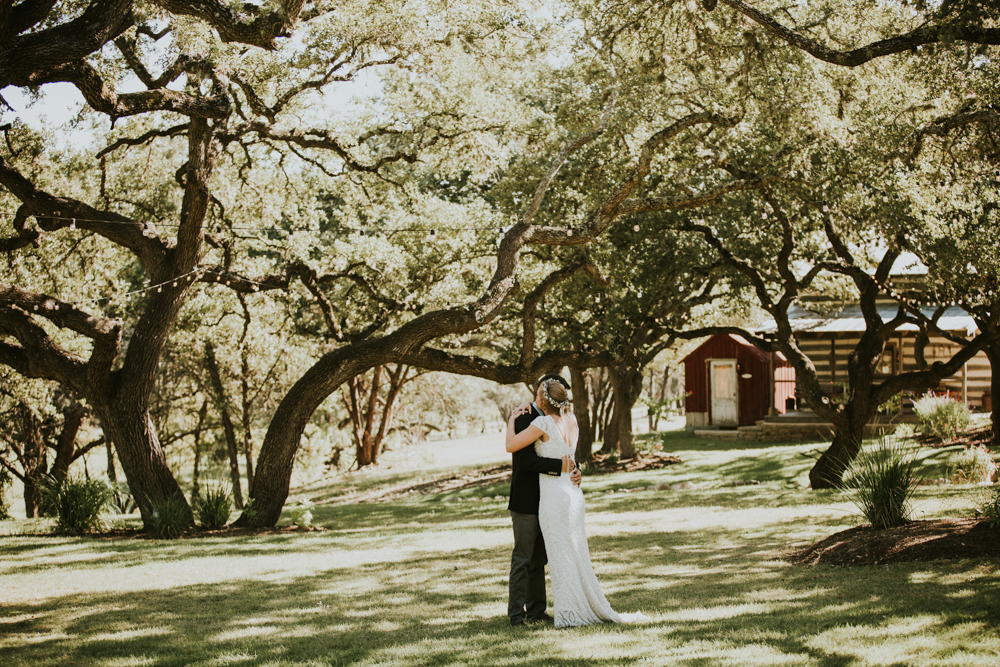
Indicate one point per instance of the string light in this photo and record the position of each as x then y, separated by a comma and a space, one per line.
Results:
149, 227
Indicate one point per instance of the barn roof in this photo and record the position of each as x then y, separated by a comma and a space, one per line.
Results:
742, 342
850, 319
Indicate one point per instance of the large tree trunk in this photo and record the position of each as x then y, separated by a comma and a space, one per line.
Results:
145, 465
581, 409
121, 401
828, 472
626, 386
850, 419
284, 434
222, 403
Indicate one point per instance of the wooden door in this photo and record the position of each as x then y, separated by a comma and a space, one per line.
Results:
722, 383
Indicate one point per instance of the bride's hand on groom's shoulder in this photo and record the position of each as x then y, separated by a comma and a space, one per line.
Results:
521, 409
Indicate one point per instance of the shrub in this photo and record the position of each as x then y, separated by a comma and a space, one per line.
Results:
941, 416
881, 482
213, 508
170, 518
973, 465
121, 498
77, 504
989, 507
5, 481
301, 513
249, 510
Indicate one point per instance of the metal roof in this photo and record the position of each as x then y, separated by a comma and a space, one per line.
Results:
850, 319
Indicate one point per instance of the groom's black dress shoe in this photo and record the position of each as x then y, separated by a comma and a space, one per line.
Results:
518, 624
542, 618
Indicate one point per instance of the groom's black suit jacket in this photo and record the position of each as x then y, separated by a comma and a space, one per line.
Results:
525, 468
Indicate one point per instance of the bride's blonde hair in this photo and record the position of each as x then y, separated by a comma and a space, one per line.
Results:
555, 395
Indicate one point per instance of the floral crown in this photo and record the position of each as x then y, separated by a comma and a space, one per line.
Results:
561, 405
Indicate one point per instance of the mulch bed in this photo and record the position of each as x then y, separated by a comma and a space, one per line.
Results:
940, 539
978, 436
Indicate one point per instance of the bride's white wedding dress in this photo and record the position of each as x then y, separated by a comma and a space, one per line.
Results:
577, 598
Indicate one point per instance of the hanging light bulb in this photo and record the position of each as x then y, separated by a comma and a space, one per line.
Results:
72, 223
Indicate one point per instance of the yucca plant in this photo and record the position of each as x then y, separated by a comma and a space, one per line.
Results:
881, 482
77, 504
170, 518
213, 507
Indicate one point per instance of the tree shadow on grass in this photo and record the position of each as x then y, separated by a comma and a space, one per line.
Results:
714, 594
721, 591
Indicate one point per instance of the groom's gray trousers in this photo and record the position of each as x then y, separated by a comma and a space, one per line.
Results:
527, 569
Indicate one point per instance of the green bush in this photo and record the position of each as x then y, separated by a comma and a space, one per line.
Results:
5, 482
170, 518
249, 510
989, 507
301, 513
77, 504
213, 508
973, 465
941, 416
881, 482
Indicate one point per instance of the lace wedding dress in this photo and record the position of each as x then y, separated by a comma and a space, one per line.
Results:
576, 594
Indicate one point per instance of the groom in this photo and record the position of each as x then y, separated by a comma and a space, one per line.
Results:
526, 601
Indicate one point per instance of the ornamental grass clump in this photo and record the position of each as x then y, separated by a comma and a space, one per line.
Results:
941, 416
974, 465
213, 508
77, 504
170, 518
881, 482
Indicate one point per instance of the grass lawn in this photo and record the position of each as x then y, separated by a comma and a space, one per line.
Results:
422, 581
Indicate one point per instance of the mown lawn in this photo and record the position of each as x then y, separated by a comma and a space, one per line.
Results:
422, 581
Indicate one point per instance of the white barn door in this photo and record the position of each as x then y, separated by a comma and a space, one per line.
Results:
722, 383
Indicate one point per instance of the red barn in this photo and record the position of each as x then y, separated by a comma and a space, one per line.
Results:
732, 383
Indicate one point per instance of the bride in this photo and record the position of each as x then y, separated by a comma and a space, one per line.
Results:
576, 593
